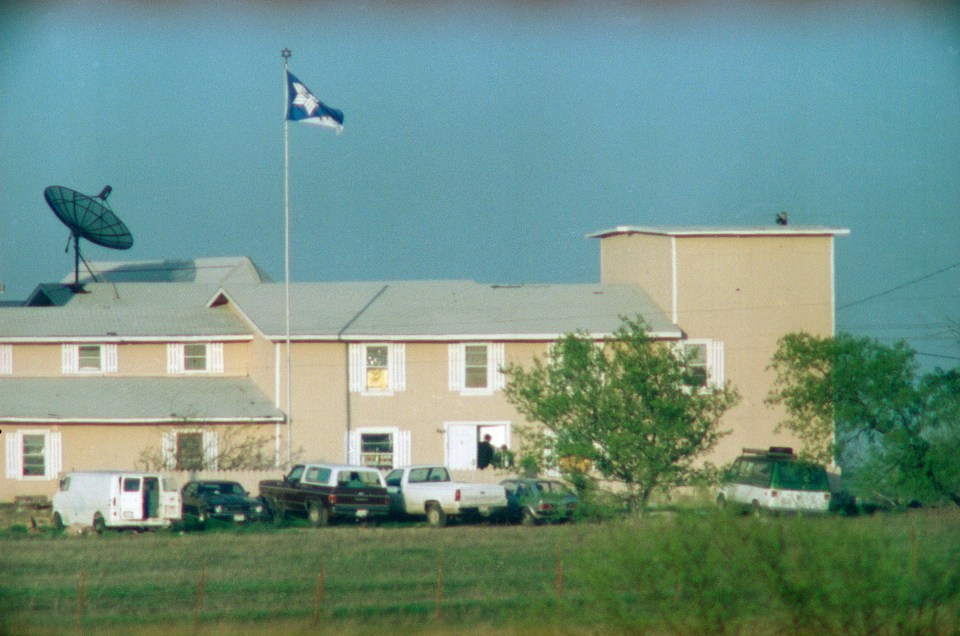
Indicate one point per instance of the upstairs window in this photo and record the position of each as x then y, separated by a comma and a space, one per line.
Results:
377, 372
89, 358
195, 357
704, 363
377, 369
476, 368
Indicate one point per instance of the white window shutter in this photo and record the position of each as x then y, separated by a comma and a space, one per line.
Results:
715, 363
110, 358
456, 368
402, 449
211, 452
353, 447
357, 367
14, 455
54, 455
174, 358
215, 351
398, 367
496, 379
168, 450
6, 359
70, 355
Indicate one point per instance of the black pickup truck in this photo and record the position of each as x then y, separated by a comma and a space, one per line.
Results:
322, 492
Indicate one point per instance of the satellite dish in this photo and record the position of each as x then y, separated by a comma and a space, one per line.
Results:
90, 218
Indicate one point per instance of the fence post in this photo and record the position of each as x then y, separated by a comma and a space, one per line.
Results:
559, 580
318, 599
439, 614
81, 598
201, 592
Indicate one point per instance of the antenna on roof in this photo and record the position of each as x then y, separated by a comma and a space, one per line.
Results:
90, 218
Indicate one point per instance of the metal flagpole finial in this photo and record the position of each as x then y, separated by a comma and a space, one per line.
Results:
286, 53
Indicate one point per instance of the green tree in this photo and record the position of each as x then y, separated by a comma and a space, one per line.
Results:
864, 404
623, 410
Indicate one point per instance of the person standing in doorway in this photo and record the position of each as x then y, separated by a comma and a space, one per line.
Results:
484, 452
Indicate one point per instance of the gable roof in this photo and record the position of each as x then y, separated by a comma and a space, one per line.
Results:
123, 311
241, 304
134, 400
209, 271
444, 310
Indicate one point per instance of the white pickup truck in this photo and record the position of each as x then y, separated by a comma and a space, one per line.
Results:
428, 491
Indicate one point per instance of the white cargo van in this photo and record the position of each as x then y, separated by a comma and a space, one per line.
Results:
116, 499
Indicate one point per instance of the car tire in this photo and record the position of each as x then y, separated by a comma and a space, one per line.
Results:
99, 523
528, 518
436, 517
318, 515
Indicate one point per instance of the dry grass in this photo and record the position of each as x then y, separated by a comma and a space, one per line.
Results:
686, 573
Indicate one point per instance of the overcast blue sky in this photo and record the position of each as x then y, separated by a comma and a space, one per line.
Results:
484, 140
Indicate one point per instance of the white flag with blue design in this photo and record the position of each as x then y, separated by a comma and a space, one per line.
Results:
303, 106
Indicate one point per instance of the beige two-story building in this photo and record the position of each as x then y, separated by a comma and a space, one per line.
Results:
176, 361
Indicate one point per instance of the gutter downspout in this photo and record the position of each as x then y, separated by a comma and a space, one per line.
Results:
348, 399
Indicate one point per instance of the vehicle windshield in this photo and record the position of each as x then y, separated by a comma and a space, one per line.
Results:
221, 489
552, 487
801, 476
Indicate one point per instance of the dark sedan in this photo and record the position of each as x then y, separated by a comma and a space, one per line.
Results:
533, 501
223, 500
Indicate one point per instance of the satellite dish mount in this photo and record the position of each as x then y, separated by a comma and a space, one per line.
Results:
90, 218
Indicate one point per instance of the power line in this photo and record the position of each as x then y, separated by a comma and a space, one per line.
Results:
937, 355
898, 287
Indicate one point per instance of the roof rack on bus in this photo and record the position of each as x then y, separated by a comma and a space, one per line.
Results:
785, 451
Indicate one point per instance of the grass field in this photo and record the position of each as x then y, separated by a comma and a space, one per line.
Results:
689, 573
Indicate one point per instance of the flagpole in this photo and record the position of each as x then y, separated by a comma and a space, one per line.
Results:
286, 245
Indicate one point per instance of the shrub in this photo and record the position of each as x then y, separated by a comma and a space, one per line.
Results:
721, 574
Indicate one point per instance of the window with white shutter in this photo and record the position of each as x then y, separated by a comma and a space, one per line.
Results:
193, 449
89, 358
377, 368
476, 368
383, 447
195, 357
33, 455
704, 363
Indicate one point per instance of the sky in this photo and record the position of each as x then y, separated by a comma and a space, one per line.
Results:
484, 140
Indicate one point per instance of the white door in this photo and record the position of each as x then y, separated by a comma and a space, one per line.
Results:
463, 437
461, 446
131, 498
